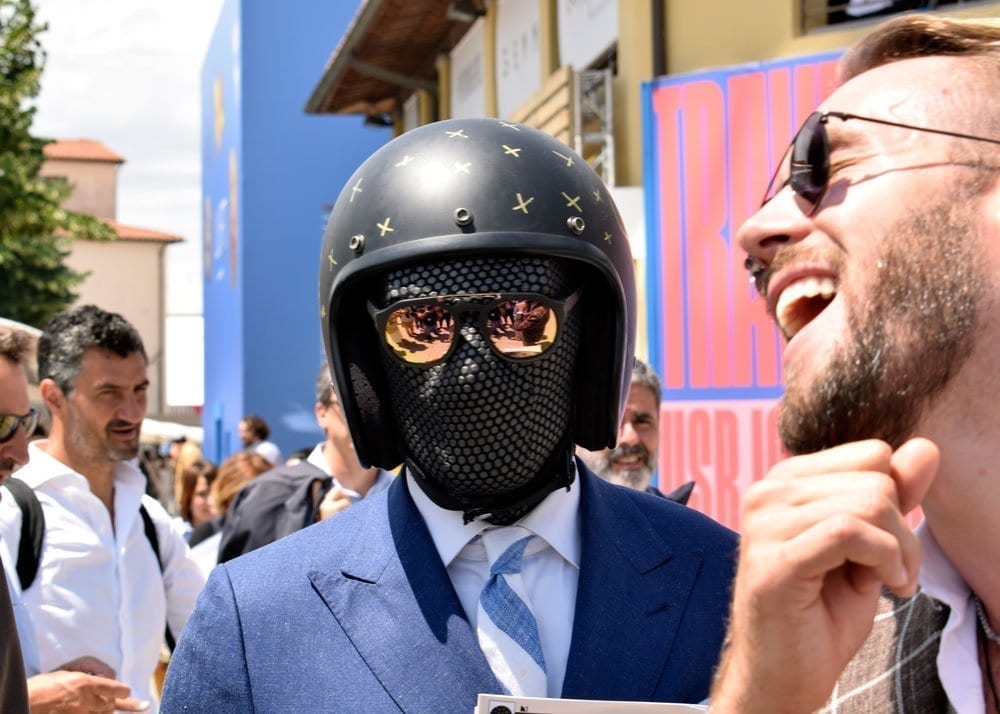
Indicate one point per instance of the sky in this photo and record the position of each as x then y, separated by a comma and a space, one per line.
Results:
127, 73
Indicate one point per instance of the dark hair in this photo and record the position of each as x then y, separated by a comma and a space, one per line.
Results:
71, 332
910, 36
324, 386
257, 426
189, 479
14, 346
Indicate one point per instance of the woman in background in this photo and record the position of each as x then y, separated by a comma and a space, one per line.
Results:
193, 504
234, 473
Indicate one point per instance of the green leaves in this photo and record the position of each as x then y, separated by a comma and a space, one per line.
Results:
35, 230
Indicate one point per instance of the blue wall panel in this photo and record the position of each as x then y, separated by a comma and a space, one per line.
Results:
263, 323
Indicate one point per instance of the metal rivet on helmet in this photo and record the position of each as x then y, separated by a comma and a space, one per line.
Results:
357, 243
576, 224
463, 216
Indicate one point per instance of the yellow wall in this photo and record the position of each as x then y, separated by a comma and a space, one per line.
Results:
702, 35
635, 65
705, 34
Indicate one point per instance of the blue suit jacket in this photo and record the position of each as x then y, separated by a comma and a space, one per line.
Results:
359, 614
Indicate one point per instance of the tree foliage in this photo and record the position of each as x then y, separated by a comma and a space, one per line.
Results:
35, 230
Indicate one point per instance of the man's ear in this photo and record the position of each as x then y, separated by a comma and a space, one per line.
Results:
52, 395
320, 411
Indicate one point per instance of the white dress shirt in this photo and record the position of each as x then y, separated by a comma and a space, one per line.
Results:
958, 652
99, 590
382, 479
550, 569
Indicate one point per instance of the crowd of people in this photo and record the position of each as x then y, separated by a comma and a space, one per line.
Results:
481, 517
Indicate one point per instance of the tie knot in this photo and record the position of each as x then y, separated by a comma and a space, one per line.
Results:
505, 548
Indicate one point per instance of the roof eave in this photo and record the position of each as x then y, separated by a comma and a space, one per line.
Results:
342, 56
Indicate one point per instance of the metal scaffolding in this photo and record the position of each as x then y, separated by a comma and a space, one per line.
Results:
593, 120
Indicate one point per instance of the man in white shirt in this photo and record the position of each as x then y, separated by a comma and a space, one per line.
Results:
253, 432
876, 250
99, 589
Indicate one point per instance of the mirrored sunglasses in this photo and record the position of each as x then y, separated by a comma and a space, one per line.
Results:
809, 156
10, 422
517, 326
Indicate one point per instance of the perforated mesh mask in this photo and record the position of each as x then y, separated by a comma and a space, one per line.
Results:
481, 433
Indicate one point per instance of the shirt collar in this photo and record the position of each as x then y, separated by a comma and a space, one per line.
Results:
938, 578
41, 468
317, 459
382, 479
554, 520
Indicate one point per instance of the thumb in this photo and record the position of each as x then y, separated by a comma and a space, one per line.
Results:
914, 466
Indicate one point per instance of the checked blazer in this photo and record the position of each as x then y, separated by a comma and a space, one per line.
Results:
896, 668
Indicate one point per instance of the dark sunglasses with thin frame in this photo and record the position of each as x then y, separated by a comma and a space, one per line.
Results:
9, 424
809, 165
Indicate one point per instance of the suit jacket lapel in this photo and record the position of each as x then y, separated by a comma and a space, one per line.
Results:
631, 595
394, 600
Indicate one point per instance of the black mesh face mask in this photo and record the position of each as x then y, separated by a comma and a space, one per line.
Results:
483, 433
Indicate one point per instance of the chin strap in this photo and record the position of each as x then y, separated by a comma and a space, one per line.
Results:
559, 471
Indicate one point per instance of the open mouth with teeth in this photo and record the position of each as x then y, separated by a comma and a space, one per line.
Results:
801, 301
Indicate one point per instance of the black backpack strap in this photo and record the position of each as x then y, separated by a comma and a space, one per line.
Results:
29, 550
154, 543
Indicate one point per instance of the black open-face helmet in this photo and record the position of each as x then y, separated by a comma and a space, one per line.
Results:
475, 188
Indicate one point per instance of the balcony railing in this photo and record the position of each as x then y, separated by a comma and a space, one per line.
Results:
818, 14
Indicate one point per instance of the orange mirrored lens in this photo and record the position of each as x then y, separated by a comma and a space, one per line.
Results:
520, 329
420, 333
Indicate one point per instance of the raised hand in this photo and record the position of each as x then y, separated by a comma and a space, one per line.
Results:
821, 534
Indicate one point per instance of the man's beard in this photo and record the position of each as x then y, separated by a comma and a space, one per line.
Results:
97, 442
602, 464
912, 331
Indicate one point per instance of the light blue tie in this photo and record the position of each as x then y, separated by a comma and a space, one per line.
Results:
506, 627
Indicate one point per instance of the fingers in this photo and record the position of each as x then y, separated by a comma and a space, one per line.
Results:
335, 501
131, 705
844, 507
104, 690
844, 538
913, 467
869, 455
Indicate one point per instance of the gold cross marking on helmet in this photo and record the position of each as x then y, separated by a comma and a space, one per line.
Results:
322, 311
568, 159
356, 188
522, 205
330, 257
460, 134
384, 227
516, 153
607, 236
406, 159
572, 202
597, 196
515, 127
463, 168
